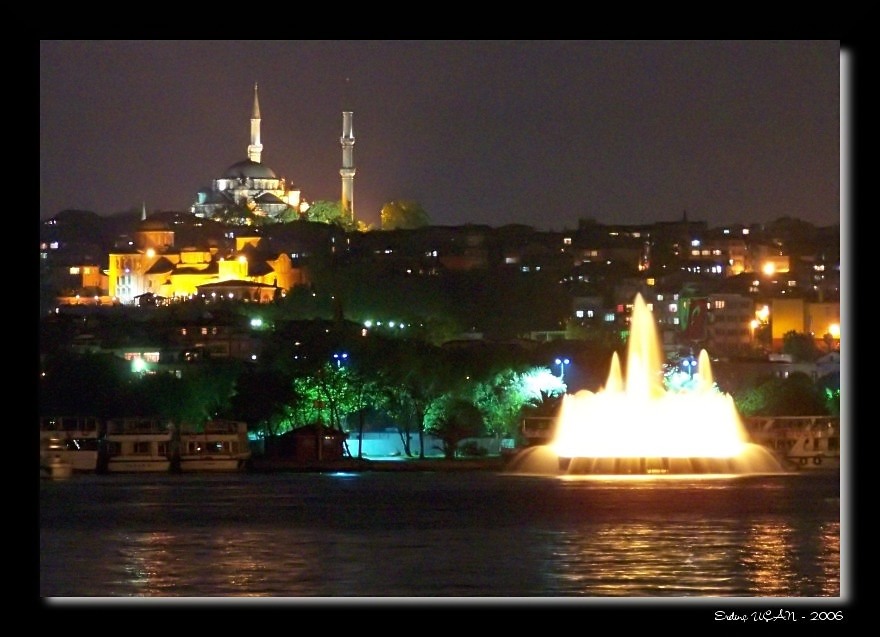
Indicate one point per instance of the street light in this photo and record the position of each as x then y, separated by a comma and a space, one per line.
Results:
562, 362
690, 365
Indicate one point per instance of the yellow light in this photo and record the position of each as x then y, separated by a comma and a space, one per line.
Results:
834, 330
769, 268
151, 253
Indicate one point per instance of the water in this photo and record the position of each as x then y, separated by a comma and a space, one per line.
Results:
440, 535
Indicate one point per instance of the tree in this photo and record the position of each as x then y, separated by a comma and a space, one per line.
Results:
366, 380
796, 395
238, 214
503, 398
205, 391
452, 419
403, 214
801, 346
417, 374
94, 384
324, 212
289, 214
261, 395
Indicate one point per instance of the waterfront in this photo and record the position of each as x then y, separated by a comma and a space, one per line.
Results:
480, 534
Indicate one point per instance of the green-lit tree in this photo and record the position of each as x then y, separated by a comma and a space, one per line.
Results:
289, 214
452, 419
796, 395
503, 398
367, 383
417, 374
324, 212
403, 214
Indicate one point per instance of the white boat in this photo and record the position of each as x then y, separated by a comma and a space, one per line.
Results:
134, 445
806, 442
218, 445
52, 464
76, 439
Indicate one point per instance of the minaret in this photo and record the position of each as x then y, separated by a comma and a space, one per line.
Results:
347, 171
255, 147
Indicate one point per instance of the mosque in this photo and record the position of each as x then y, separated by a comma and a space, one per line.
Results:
248, 191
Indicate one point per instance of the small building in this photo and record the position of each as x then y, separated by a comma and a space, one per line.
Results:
301, 444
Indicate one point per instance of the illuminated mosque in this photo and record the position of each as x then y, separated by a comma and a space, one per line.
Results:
249, 185
152, 269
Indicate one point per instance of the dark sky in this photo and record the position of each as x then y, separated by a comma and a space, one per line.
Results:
541, 133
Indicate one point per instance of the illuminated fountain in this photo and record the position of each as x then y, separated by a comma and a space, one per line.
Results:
638, 427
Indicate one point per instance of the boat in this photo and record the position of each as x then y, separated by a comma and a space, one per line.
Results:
75, 439
134, 445
805, 442
52, 463
217, 445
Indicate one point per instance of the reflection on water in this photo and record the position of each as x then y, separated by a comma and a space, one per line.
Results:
438, 535
684, 559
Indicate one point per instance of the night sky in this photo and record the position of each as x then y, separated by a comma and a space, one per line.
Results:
542, 133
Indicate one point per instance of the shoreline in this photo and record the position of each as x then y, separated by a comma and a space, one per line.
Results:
274, 465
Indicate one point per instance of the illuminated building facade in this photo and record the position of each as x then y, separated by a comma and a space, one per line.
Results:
180, 273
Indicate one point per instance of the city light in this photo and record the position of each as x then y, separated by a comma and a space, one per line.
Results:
562, 362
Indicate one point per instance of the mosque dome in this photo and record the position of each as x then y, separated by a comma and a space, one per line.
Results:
249, 170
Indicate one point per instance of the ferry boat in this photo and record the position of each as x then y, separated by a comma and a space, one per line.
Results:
137, 445
807, 442
217, 445
75, 440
